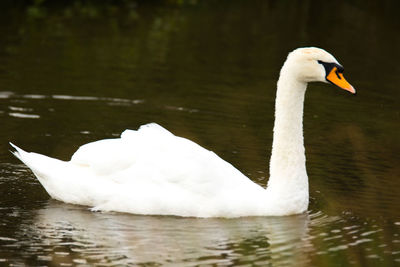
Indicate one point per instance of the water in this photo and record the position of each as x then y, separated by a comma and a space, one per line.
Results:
71, 73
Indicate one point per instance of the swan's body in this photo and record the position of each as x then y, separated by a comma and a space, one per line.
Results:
152, 171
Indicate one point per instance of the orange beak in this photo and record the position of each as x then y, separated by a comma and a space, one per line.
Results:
337, 79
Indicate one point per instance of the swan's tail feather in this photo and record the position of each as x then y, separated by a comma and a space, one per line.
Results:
28, 158
56, 176
18, 152
50, 172
42, 166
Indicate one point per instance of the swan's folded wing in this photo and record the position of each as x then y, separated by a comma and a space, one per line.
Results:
110, 156
103, 157
147, 130
152, 157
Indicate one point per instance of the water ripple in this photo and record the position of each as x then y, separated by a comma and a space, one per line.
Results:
11, 95
23, 115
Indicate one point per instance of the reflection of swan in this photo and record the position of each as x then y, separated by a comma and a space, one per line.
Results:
123, 238
152, 171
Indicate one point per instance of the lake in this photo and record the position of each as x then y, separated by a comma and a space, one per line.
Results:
72, 72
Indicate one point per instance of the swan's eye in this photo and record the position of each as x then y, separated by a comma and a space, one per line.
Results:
329, 66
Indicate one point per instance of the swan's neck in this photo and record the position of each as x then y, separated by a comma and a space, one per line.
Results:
288, 176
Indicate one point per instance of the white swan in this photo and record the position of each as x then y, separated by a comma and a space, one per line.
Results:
152, 171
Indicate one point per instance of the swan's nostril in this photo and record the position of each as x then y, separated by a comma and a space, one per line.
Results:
337, 74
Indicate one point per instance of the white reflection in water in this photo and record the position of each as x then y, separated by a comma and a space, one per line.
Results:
23, 115
26, 112
5, 94
93, 98
21, 109
21, 112
11, 95
189, 110
123, 238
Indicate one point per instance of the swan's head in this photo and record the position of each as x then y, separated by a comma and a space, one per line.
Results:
311, 64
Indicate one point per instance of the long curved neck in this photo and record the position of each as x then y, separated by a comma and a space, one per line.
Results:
288, 176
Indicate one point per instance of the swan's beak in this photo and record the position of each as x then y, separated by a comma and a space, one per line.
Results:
337, 79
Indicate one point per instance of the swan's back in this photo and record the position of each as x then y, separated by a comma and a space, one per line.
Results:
153, 154
149, 171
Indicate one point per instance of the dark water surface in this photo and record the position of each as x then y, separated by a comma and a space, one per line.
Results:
71, 73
